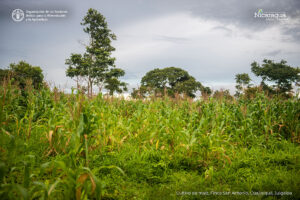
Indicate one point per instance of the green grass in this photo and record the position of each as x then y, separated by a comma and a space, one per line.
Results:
65, 146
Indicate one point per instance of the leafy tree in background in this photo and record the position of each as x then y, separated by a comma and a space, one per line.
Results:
242, 81
170, 80
96, 65
282, 74
205, 92
77, 68
113, 84
22, 73
188, 87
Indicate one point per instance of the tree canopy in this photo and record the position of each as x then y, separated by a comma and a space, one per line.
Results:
96, 65
282, 74
242, 81
23, 72
170, 80
112, 83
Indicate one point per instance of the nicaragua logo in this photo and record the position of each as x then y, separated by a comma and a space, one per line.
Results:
270, 15
17, 15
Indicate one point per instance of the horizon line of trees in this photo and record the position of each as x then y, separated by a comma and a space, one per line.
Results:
96, 67
174, 82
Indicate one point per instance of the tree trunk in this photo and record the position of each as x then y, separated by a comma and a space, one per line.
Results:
91, 85
88, 88
77, 83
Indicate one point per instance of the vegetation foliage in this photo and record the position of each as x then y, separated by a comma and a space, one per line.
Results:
67, 146
23, 72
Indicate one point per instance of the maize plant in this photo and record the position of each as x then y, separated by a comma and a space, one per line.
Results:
67, 146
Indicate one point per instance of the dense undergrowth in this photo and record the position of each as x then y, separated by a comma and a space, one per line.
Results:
65, 146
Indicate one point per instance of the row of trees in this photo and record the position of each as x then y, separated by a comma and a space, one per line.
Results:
173, 81
170, 81
96, 66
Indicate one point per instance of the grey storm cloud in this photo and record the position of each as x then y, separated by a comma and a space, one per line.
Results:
226, 30
171, 39
213, 40
293, 33
273, 53
237, 12
240, 12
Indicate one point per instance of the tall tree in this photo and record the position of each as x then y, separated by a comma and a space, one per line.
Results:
242, 81
282, 74
96, 64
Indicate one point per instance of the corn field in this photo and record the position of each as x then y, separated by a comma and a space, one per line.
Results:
65, 146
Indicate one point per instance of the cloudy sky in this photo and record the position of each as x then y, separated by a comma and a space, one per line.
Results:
212, 40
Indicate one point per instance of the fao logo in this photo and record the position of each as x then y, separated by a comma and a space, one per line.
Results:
17, 15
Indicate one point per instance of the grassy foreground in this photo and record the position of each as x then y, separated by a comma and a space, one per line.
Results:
58, 146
